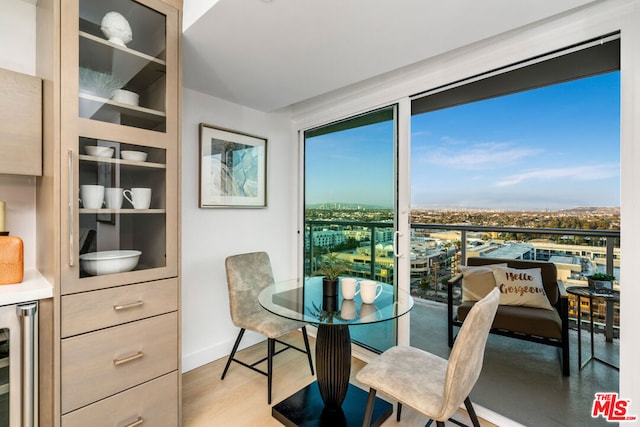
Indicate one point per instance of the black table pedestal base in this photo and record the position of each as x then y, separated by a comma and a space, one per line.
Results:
306, 408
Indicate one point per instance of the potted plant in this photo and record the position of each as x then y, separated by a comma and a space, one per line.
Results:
600, 281
331, 270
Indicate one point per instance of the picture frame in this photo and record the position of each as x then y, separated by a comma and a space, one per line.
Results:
232, 168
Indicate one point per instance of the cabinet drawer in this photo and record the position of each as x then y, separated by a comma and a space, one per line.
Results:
108, 307
154, 403
103, 363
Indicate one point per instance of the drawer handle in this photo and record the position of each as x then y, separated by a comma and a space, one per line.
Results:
127, 306
137, 422
128, 359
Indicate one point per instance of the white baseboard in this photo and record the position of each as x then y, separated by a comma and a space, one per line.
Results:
209, 354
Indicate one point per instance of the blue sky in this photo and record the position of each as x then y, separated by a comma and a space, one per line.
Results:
551, 148
352, 166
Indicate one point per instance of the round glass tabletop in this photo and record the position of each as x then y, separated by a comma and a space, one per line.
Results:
301, 299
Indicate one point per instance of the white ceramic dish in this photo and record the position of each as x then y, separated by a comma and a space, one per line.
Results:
138, 156
94, 150
109, 262
125, 97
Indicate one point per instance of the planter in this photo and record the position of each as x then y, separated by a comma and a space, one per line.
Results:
599, 285
329, 287
329, 294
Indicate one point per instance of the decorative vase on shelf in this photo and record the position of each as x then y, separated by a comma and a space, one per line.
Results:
116, 28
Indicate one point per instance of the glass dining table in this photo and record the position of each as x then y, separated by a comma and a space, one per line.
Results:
331, 400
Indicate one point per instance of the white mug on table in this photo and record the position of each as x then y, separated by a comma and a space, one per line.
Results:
140, 198
348, 287
370, 290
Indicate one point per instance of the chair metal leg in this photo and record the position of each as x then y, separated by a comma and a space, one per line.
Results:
399, 412
272, 346
233, 353
472, 412
368, 411
306, 345
440, 423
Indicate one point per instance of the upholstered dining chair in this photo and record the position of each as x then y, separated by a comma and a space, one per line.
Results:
247, 275
430, 384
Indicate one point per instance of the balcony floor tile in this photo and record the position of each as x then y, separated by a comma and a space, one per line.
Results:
523, 381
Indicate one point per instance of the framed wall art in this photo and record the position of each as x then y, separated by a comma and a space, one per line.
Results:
233, 169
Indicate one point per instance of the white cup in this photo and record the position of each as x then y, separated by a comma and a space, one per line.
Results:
348, 287
113, 197
348, 310
370, 290
92, 196
140, 198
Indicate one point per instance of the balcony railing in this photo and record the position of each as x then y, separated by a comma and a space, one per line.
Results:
368, 248
611, 238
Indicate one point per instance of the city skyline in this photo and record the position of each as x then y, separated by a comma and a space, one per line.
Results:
556, 147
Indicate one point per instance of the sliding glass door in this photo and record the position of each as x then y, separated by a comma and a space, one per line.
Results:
350, 205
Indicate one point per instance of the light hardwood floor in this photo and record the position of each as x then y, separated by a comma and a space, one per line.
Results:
241, 399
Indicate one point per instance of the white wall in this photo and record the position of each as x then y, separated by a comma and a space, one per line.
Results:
210, 235
18, 36
18, 53
590, 22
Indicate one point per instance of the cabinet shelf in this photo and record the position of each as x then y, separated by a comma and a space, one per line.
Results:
137, 70
110, 45
88, 158
95, 102
122, 211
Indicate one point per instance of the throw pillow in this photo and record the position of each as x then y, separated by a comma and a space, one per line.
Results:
477, 282
521, 287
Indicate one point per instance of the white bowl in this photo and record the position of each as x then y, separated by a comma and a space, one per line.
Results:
125, 97
94, 150
138, 156
109, 262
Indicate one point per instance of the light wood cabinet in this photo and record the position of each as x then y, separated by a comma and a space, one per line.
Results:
20, 123
151, 403
102, 363
89, 311
108, 208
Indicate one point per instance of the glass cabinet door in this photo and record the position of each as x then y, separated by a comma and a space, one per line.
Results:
122, 60
122, 207
120, 129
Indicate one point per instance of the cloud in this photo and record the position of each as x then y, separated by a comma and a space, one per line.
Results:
577, 173
487, 155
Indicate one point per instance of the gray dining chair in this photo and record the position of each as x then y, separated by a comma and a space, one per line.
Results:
247, 275
431, 385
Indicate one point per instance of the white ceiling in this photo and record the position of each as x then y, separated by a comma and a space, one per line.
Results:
270, 54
